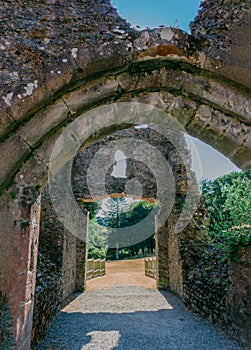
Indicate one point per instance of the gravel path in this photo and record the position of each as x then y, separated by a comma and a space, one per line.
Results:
131, 318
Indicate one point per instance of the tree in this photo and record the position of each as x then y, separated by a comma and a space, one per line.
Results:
118, 213
112, 216
238, 199
97, 240
97, 235
112, 212
139, 211
91, 206
228, 203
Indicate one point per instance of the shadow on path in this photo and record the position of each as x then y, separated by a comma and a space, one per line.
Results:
131, 318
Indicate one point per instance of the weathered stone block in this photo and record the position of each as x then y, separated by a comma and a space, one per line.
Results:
91, 93
12, 152
36, 129
5, 122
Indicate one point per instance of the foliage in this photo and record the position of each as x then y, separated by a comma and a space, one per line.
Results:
97, 252
97, 234
97, 237
138, 211
120, 213
238, 200
228, 200
92, 208
124, 253
113, 213
238, 241
228, 203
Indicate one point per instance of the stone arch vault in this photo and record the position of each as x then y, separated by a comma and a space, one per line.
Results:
67, 62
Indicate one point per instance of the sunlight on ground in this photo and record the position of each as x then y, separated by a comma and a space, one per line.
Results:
123, 273
109, 340
122, 301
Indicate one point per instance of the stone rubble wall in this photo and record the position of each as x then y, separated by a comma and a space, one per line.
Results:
56, 270
216, 289
48, 298
6, 338
239, 300
41, 36
206, 287
225, 27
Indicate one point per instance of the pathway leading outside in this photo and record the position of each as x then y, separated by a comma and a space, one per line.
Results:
131, 317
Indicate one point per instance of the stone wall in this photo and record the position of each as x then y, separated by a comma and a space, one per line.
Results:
6, 337
56, 270
216, 289
211, 286
48, 298
18, 257
206, 286
239, 300
81, 256
69, 264
224, 25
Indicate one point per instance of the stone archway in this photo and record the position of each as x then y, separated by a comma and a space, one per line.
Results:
170, 164
44, 90
201, 119
213, 111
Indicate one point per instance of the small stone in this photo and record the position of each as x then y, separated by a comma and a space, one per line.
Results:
74, 52
166, 33
7, 99
118, 31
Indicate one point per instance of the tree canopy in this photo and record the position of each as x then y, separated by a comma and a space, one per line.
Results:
228, 203
120, 213
228, 200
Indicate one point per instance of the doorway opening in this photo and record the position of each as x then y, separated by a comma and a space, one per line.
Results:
112, 261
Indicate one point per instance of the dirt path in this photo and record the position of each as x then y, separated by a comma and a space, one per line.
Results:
122, 273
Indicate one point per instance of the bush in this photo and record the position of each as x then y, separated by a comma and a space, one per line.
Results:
239, 239
124, 253
96, 253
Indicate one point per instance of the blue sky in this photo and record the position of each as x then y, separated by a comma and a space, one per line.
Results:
207, 163
153, 13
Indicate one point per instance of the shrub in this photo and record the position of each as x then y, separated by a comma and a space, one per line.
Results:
239, 240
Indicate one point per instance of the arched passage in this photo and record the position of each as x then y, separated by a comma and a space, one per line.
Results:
213, 111
211, 114
167, 71
205, 106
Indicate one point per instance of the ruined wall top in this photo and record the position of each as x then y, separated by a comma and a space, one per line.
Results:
38, 37
225, 25
44, 43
